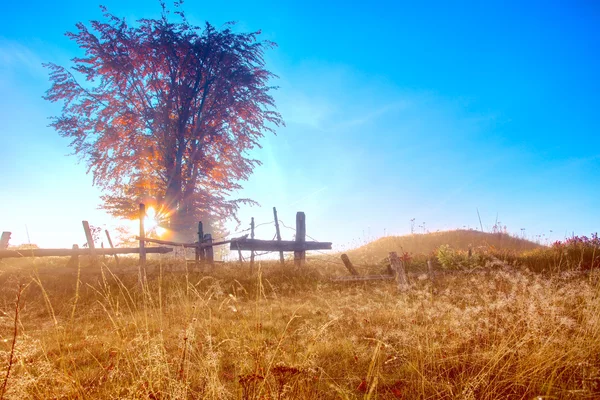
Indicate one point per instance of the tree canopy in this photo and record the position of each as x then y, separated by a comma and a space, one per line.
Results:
165, 113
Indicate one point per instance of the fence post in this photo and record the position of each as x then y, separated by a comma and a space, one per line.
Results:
209, 252
300, 256
90, 241
199, 253
241, 258
430, 270
142, 215
74, 260
4, 240
349, 265
398, 266
110, 243
252, 237
278, 232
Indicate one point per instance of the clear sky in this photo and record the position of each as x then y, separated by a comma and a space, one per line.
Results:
394, 111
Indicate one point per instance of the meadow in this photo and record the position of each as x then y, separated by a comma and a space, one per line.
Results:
505, 322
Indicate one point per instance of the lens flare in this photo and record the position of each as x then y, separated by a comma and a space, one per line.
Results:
152, 222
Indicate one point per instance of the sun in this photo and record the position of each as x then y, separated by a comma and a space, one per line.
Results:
152, 222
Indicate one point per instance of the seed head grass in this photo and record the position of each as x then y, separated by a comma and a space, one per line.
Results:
278, 332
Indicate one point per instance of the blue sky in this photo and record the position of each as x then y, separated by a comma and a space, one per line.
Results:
394, 111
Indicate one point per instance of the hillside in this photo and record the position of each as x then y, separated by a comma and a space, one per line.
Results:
428, 242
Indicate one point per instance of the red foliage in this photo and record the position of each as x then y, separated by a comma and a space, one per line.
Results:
164, 112
362, 386
582, 251
405, 257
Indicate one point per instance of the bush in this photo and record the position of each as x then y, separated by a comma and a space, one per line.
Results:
451, 259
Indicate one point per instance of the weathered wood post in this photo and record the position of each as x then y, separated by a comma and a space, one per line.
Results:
300, 255
201, 238
349, 265
142, 215
90, 241
209, 252
110, 243
199, 253
252, 237
74, 260
430, 270
4, 240
278, 232
241, 258
398, 266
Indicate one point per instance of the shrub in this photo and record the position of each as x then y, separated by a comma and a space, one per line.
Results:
451, 259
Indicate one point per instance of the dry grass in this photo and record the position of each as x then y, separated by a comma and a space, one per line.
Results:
289, 334
428, 243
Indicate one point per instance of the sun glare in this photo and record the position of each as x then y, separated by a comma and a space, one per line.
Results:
151, 222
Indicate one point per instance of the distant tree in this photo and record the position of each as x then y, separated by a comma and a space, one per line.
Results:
165, 113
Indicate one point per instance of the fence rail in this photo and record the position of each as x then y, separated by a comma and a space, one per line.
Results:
271, 245
79, 252
204, 247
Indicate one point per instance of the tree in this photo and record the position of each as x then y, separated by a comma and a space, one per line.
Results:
165, 113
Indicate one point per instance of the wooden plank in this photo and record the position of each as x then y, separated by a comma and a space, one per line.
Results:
216, 261
349, 265
110, 243
90, 241
186, 245
270, 245
240, 257
278, 233
168, 243
4, 240
360, 278
398, 266
88, 236
80, 252
300, 255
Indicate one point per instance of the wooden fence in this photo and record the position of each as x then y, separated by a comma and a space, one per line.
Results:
396, 271
204, 249
204, 246
91, 249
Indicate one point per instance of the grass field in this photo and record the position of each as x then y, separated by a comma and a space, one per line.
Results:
497, 331
425, 244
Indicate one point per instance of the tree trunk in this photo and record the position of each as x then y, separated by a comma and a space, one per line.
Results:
183, 224
174, 192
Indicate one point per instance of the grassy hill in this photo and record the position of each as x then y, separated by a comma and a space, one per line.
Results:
429, 242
